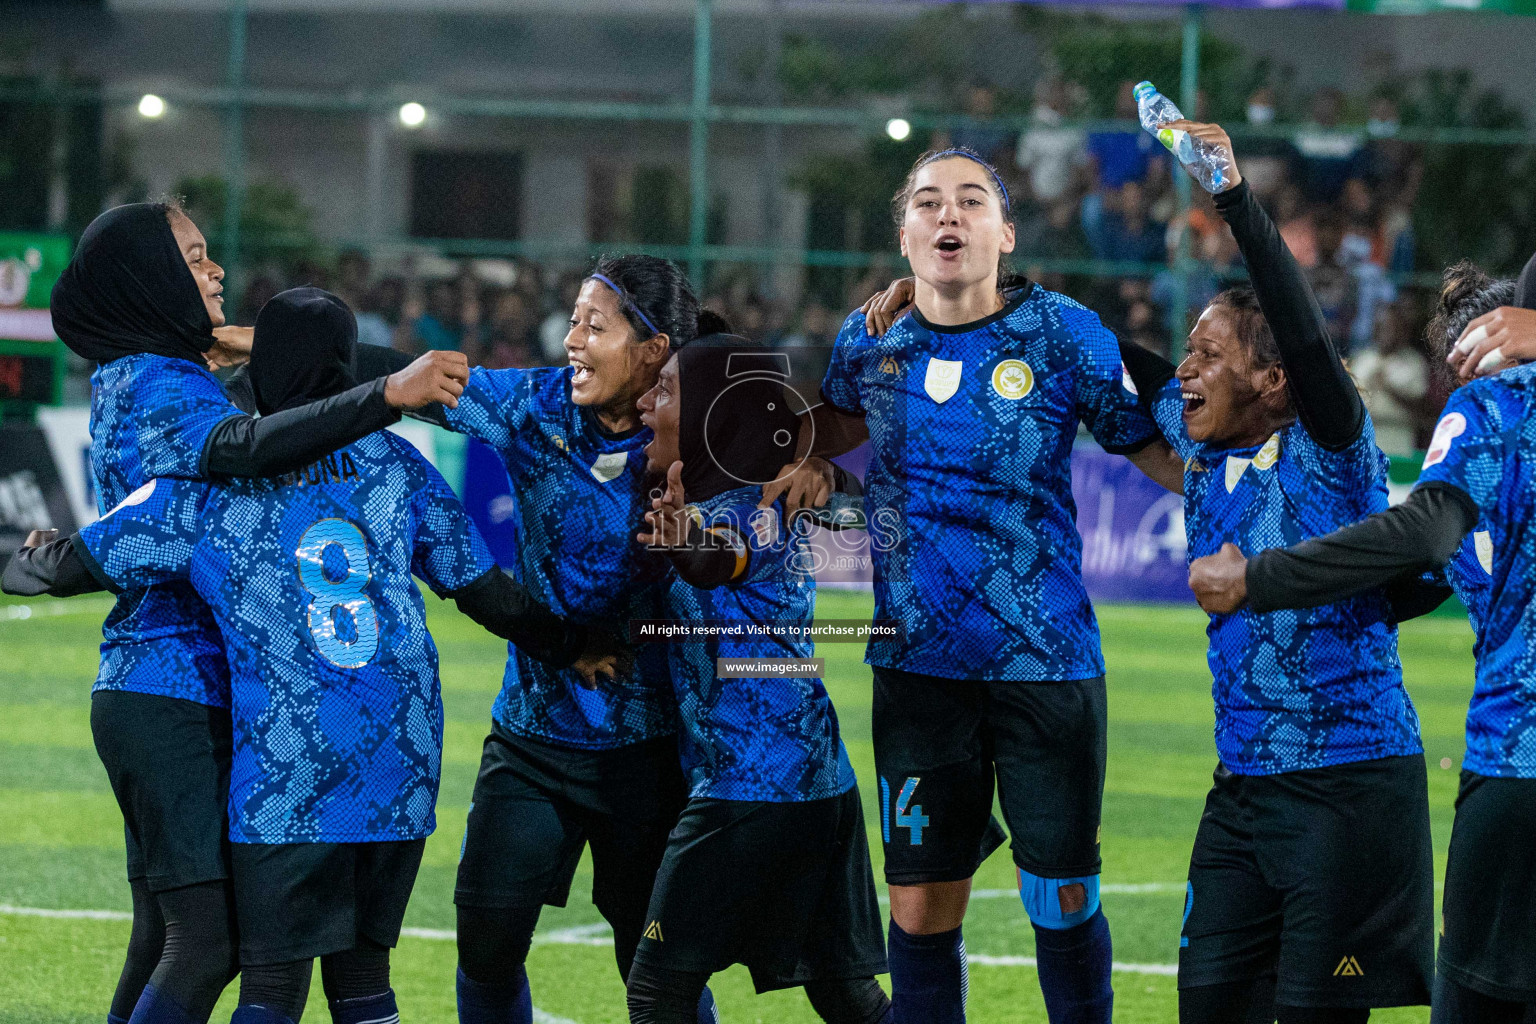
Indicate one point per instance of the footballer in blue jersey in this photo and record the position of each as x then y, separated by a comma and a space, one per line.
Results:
1468, 515
769, 865
564, 766
1314, 847
971, 404
337, 714
142, 298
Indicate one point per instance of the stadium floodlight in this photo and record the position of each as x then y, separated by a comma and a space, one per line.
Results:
412, 115
898, 128
151, 106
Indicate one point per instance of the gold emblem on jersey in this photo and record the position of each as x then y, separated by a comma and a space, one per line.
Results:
1012, 378
559, 442
653, 931
889, 366
1269, 454
1348, 967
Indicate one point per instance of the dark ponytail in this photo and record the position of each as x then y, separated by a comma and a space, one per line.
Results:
1466, 293
655, 296
709, 323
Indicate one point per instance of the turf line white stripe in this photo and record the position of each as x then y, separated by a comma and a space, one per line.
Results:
24, 612
88, 915
1169, 970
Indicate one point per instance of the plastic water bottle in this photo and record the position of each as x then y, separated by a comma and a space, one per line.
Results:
1211, 166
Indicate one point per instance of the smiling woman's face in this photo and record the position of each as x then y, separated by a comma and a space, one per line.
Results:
611, 367
661, 410
954, 230
208, 275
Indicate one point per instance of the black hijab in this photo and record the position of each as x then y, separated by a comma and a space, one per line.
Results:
304, 349
1525, 286
736, 425
127, 290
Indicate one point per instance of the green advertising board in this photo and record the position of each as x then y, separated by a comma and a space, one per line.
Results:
31, 355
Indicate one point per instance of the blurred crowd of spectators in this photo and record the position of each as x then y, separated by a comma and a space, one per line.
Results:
1341, 195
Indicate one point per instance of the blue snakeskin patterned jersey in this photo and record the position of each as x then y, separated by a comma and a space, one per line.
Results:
768, 739
579, 507
972, 525
150, 417
1470, 572
338, 718
1305, 688
1485, 446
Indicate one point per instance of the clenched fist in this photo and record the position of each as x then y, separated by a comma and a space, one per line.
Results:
437, 376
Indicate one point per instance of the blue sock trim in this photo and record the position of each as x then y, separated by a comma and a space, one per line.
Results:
1043, 905
707, 1012
930, 979
379, 1009
155, 1008
480, 1003
258, 1015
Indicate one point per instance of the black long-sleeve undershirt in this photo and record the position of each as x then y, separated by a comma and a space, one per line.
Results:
286, 441
1388, 549
292, 439
55, 568
1327, 402
500, 604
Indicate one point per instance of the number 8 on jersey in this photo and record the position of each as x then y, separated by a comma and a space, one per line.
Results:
329, 594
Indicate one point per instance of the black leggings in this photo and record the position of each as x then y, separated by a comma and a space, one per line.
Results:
657, 995
494, 943
352, 974
182, 943
1457, 1004
1253, 1002
145, 944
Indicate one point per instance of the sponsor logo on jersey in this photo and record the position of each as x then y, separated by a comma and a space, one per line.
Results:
138, 497
1348, 967
1013, 379
653, 931
609, 466
1451, 426
889, 367
942, 379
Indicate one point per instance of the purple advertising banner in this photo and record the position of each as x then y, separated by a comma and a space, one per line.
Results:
1132, 530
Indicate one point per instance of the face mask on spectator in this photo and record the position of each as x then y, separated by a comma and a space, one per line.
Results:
1260, 113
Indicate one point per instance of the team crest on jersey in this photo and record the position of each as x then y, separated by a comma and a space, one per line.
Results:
1482, 543
942, 379
1012, 378
609, 466
1269, 454
889, 367
1451, 426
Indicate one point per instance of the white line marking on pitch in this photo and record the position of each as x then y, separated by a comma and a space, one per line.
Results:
23, 612
1170, 970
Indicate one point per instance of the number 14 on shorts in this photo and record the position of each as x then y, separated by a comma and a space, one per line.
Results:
903, 812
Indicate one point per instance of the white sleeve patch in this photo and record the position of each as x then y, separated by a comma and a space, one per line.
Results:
1451, 426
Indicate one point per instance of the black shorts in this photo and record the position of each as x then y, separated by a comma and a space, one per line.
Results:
536, 805
786, 889
940, 742
1488, 932
1325, 877
297, 901
168, 763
